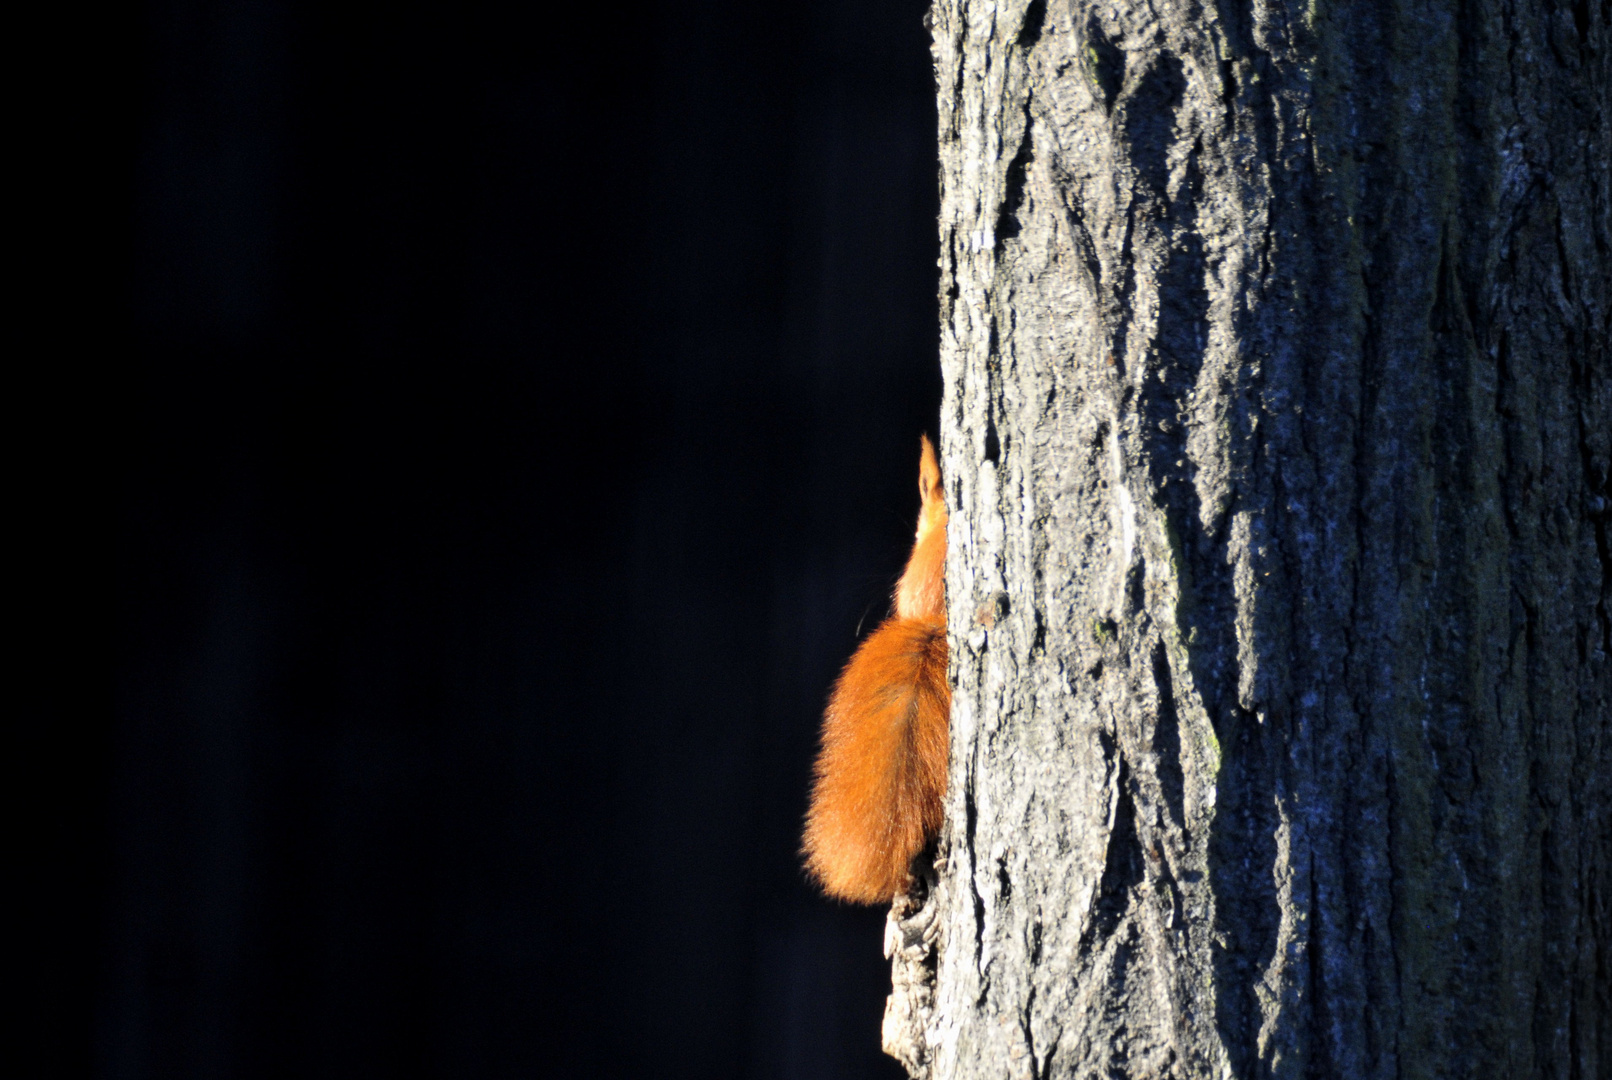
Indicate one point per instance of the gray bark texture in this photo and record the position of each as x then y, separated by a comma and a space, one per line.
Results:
1276, 435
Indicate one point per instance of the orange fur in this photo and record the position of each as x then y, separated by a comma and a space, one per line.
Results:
881, 772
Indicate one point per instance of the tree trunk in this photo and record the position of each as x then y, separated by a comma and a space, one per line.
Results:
1276, 435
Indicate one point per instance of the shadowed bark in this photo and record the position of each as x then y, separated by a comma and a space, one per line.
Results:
1276, 435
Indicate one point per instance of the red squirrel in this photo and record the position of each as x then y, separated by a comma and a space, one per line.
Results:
881, 772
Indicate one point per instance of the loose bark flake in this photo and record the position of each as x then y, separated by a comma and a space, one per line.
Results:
1276, 431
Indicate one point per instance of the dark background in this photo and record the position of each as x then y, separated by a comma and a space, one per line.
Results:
516, 418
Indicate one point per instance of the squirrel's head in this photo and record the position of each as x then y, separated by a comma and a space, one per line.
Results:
933, 514
921, 592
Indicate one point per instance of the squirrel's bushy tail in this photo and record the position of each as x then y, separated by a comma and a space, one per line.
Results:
882, 769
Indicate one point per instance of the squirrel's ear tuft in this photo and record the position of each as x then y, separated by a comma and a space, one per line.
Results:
928, 470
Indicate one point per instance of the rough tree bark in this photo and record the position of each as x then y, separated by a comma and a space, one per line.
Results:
1276, 435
